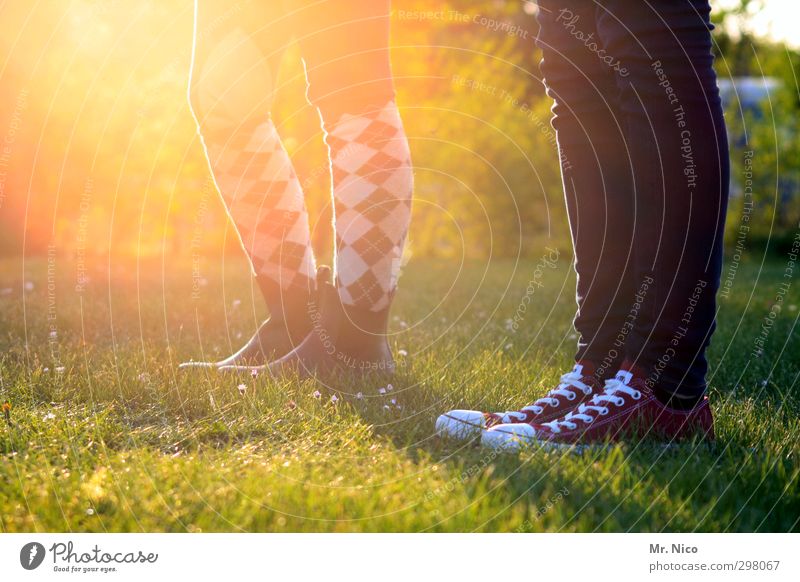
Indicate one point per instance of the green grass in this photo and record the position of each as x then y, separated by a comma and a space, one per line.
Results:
120, 441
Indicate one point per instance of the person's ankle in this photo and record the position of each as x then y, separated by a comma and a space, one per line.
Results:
587, 368
677, 401
292, 305
604, 367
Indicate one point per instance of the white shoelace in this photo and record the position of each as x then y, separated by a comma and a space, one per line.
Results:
568, 382
597, 404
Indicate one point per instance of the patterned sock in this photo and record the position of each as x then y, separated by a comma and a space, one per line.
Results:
265, 201
372, 184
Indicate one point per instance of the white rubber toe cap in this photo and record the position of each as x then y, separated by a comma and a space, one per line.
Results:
509, 437
460, 424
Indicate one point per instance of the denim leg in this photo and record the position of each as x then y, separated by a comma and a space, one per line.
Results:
678, 146
596, 174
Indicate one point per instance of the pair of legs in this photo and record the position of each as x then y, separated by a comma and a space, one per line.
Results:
344, 44
645, 174
639, 119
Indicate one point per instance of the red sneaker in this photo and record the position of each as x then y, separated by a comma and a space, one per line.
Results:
575, 387
627, 409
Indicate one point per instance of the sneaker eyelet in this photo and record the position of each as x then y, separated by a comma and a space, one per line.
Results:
571, 396
590, 421
637, 395
604, 412
619, 402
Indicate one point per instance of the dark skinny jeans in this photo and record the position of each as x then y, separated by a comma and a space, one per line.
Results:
645, 172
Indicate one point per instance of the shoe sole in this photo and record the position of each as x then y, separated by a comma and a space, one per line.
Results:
517, 443
471, 430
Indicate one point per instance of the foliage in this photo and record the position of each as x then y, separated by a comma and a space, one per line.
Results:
99, 144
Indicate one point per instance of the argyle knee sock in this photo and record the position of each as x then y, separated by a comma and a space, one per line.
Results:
265, 201
372, 184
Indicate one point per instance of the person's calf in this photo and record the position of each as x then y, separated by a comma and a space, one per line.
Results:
372, 189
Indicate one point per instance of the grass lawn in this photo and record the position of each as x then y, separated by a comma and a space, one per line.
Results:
106, 435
